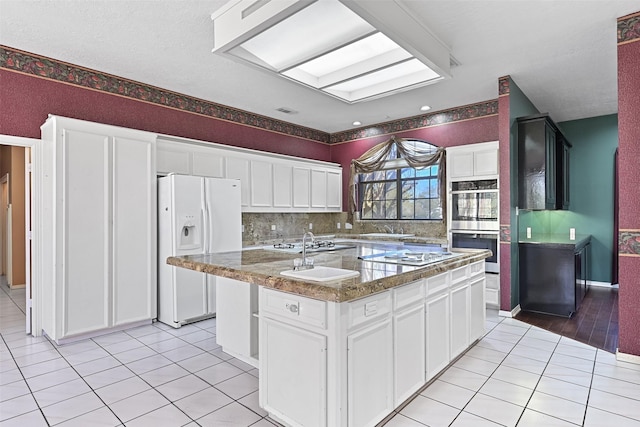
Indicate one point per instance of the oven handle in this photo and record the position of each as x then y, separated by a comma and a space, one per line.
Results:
488, 234
493, 190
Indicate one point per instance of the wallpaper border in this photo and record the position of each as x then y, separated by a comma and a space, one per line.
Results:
629, 28
47, 68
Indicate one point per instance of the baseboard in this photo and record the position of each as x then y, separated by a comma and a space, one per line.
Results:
629, 358
512, 313
92, 334
601, 284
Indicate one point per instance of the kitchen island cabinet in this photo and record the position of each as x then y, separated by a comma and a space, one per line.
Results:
409, 344
346, 353
553, 273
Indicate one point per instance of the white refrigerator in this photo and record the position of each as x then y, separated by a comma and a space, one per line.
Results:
196, 215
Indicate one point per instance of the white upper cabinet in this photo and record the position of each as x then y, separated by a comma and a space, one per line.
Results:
270, 182
318, 188
171, 158
485, 162
239, 169
334, 189
301, 187
208, 163
460, 164
282, 185
261, 184
473, 161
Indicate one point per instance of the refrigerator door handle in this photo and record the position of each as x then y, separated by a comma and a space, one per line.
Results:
206, 224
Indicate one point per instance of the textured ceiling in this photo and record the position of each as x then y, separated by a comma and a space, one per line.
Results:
562, 54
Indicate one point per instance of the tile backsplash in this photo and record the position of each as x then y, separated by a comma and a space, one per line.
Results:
258, 226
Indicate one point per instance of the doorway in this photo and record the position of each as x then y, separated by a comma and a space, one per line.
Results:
14, 212
5, 218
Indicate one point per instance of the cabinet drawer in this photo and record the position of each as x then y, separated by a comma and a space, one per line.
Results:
437, 284
459, 274
476, 268
363, 310
294, 307
408, 294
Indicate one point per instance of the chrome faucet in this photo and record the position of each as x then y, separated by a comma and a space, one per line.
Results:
306, 264
389, 229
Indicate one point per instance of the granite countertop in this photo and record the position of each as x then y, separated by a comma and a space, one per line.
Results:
263, 267
557, 240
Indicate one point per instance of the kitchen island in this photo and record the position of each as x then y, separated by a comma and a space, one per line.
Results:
348, 352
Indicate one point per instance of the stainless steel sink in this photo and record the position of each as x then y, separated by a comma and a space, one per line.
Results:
321, 273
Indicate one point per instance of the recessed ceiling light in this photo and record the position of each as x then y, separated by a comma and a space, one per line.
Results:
357, 123
425, 108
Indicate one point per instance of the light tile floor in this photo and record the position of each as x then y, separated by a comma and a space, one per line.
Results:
159, 376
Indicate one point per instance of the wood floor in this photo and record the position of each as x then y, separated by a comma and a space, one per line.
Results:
596, 322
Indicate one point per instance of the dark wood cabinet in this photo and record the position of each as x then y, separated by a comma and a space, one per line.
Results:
543, 164
553, 277
562, 192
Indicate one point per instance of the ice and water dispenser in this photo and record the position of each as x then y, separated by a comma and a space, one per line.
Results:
190, 229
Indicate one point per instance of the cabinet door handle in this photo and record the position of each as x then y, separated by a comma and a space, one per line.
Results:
292, 308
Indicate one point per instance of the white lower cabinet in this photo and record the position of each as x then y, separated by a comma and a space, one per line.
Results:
293, 374
478, 312
370, 374
409, 340
437, 333
409, 352
350, 364
459, 319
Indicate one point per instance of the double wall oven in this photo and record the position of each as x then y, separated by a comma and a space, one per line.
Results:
474, 217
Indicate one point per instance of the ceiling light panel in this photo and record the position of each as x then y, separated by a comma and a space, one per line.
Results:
320, 27
332, 45
363, 56
389, 80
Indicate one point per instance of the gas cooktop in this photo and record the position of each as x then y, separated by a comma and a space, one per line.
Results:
406, 257
315, 246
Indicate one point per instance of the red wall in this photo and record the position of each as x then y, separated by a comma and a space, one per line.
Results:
482, 129
504, 105
26, 100
629, 184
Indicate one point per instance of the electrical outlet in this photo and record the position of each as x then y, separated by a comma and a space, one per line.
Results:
572, 234
310, 226
348, 226
338, 226
528, 232
273, 227
243, 228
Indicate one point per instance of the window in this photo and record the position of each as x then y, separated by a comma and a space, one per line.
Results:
401, 193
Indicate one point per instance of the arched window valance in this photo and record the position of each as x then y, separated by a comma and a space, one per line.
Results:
415, 153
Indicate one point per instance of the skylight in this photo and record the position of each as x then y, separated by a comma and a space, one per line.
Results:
325, 45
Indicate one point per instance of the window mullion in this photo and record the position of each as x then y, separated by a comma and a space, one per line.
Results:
399, 194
